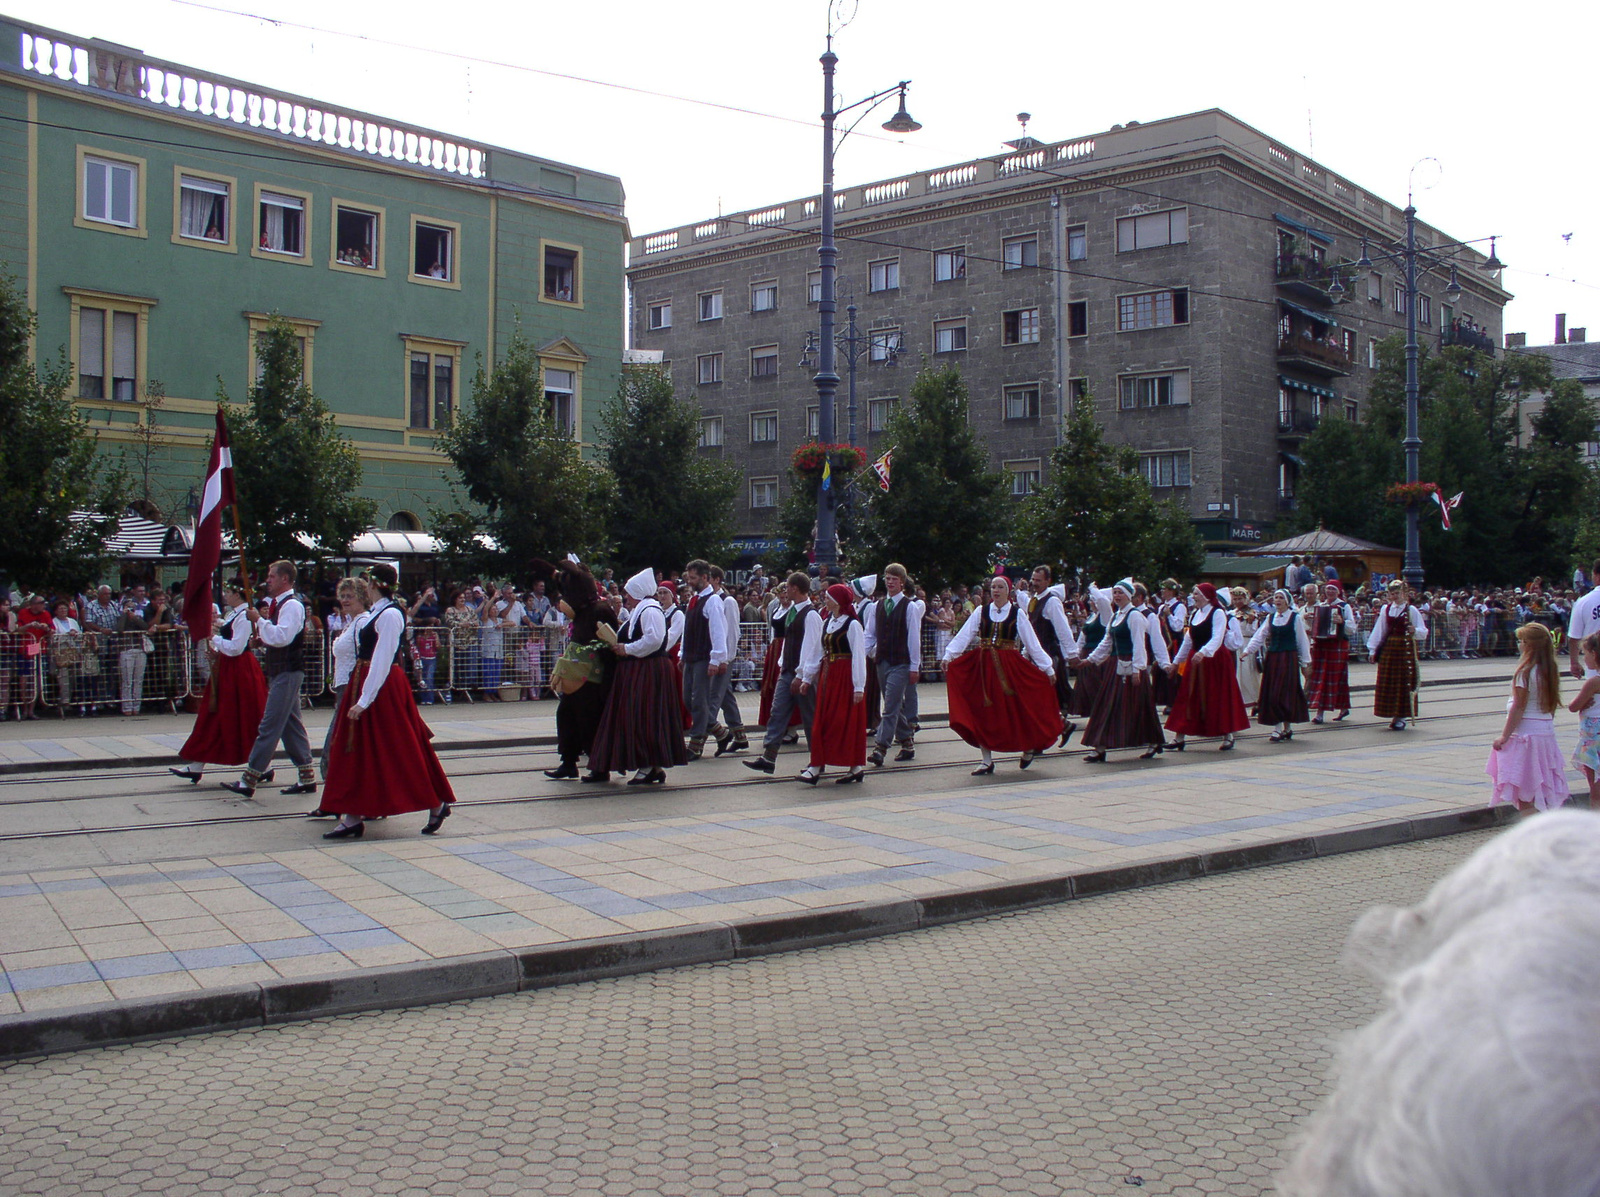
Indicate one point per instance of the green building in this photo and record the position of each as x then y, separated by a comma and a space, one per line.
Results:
158, 215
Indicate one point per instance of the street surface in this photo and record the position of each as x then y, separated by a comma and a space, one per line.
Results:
1167, 1038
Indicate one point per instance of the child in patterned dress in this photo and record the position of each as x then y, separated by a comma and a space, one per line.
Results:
1587, 707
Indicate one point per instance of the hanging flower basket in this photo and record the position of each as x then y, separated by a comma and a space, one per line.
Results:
808, 458
1407, 494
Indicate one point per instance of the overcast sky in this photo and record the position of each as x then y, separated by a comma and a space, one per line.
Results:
1497, 94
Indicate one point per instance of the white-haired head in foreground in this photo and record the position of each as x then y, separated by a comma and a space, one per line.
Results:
1481, 1077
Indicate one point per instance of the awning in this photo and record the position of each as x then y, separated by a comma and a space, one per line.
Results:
1309, 314
1295, 384
1290, 458
1300, 226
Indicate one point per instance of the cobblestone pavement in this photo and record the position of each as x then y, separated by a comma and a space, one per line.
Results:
1174, 1035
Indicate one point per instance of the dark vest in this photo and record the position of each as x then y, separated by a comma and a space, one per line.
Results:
1201, 629
1093, 633
367, 637
894, 645
1122, 637
794, 635
291, 658
1043, 628
1282, 639
634, 630
697, 629
837, 644
991, 632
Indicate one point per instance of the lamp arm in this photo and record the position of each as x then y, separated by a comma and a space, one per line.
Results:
871, 102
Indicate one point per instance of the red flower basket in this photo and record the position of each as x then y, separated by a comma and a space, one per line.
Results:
1406, 494
808, 458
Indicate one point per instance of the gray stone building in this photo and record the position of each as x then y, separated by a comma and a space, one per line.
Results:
1572, 355
1178, 271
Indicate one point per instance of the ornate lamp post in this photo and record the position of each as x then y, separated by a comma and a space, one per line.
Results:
854, 345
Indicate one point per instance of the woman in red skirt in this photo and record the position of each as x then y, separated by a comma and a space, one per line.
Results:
1282, 637
1329, 686
838, 673
1208, 702
381, 761
1002, 691
236, 694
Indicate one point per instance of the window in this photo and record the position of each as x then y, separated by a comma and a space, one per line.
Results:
708, 368
814, 422
1372, 353
763, 297
949, 336
1351, 411
1153, 309
357, 239
560, 390
764, 362
1153, 390
1447, 315
1399, 298
711, 432
763, 492
711, 305
431, 369
1020, 327
1078, 318
1165, 469
1424, 309
814, 286
885, 344
1022, 402
1025, 477
1347, 339
1150, 229
884, 275
1078, 243
108, 349
949, 264
433, 251
1018, 252
112, 192
281, 226
204, 210
1077, 388
879, 411
660, 315
305, 332
404, 521
763, 427
1375, 287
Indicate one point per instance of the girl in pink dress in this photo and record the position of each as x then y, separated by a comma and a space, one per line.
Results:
1525, 763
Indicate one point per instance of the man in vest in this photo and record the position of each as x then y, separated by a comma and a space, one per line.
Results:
704, 656
801, 632
894, 641
725, 700
283, 631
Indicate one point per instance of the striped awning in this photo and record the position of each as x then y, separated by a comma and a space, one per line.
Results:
1297, 385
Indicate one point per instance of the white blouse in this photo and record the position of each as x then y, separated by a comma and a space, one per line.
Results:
811, 650
1389, 611
1219, 635
652, 629
1031, 648
233, 637
1141, 638
391, 623
1277, 620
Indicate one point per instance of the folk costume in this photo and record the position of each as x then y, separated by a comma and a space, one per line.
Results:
1393, 644
705, 644
1048, 616
586, 656
667, 597
383, 762
1208, 702
641, 726
894, 652
1248, 666
862, 590
780, 612
727, 702
283, 631
797, 635
1002, 694
836, 669
1170, 618
1090, 677
230, 709
1282, 638
1125, 708
1330, 626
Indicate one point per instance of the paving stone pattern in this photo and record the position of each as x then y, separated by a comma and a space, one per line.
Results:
1175, 1035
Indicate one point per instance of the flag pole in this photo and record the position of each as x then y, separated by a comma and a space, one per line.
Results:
244, 569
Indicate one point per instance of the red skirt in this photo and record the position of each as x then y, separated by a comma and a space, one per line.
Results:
382, 763
1208, 702
1282, 699
641, 727
230, 713
1001, 701
1329, 687
770, 672
839, 728
1124, 715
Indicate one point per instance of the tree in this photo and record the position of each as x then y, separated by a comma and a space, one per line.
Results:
673, 504
796, 521
946, 513
147, 443
49, 467
294, 475
1095, 512
523, 471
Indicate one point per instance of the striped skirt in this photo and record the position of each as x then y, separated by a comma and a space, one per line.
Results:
1282, 699
1124, 715
642, 725
1395, 696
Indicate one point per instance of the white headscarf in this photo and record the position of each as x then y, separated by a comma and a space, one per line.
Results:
865, 586
642, 585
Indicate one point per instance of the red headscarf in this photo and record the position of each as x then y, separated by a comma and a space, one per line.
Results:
844, 596
1210, 591
1335, 587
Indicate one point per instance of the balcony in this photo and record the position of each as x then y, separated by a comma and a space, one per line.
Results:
1304, 276
1469, 336
1286, 500
1297, 424
1301, 350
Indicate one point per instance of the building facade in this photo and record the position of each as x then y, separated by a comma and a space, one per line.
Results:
159, 215
1572, 355
1178, 272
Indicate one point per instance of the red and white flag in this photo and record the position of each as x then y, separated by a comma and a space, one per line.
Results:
881, 469
1446, 506
207, 552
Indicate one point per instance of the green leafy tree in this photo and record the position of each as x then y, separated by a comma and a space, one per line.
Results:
946, 512
49, 468
531, 491
294, 474
1095, 512
674, 504
795, 523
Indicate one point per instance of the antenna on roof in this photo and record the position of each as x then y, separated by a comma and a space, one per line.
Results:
1024, 142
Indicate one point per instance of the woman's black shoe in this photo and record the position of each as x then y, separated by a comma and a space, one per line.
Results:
595, 775
655, 777
436, 820
984, 769
1096, 758
853, 775
188, 775
1150, 752
348, 831
565, 772
1066, 733
1226, 745
1177, 746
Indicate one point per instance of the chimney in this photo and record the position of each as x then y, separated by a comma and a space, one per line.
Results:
1577, 336
1561, 328
1516, 340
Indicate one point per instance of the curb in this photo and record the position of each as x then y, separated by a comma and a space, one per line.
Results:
83, 764
512, 971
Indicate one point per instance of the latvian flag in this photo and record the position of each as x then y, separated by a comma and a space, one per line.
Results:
207, 552
881, 469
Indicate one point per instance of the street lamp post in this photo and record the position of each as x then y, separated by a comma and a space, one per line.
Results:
827, 379
854, 345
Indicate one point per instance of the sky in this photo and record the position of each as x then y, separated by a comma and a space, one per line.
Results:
1495, 96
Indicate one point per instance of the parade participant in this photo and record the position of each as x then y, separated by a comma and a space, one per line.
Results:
864, 591
1171, 615
1282, 637
577, 596
724, 700
1090, 677
1393, 645
894, 641
836, 672
235, 695
1248, 666
672, 610
1330, 624
797, 632
1125, 708
1208, 702
354, 600
778, 615
1048, 615
1002, 692
283, 630
1156, 647
381, 761
641, 726
704, 655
